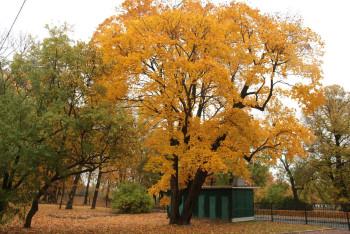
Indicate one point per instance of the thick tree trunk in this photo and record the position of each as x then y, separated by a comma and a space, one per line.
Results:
97, 187
71, 195
87, 189
35, 206
175, 195
193, 189
33, 209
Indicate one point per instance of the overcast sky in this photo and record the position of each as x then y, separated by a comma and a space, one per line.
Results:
330, 19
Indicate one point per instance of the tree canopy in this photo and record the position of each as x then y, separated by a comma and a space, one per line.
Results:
198, 75
331, 151
55, 119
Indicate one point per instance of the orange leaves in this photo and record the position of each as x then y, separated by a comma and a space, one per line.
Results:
101, 220
309, 97
198, 72
138, 8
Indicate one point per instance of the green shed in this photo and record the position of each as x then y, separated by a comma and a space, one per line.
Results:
229, 203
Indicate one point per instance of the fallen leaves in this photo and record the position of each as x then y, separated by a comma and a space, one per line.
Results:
82, 219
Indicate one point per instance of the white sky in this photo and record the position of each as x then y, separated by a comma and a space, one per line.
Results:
330, 19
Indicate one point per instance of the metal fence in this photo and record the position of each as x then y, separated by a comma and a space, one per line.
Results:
330, 215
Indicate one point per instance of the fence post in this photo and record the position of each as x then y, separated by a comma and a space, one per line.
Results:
347, 218
305, 210
271, 212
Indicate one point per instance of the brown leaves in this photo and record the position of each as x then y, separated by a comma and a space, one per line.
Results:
84, 220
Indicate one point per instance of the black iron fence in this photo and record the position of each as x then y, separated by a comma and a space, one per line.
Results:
330, 215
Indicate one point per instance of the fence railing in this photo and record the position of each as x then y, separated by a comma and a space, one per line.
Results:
330, 215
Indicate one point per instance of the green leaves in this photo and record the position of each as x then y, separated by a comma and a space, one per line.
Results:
53, 121
131, 198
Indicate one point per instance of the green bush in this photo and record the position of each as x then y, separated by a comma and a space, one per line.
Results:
286, 203
276, 193
131, 198
11, 204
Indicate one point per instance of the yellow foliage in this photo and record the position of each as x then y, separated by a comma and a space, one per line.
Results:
201, 73
164, 201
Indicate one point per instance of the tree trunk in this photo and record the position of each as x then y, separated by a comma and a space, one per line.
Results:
291, 180
98, 182
35, 206
71, 195
4, 202
107, 193
175, 195
87, 189
155, 199
294, 188
193, 189
339, 182
58, 192
63, 192
3, 207
52, 198
5, 181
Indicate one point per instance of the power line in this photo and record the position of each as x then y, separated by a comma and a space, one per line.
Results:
13, 23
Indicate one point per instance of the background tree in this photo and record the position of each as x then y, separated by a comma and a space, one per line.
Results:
198, 75
59, 121
18, 149
291, 169
276, 193
72, 192
86, 193
259, 174
331, 157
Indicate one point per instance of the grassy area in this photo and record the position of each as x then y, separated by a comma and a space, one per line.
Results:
81, 219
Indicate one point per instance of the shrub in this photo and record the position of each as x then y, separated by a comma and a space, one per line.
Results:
289, 203
131, 198
11, 204
286, 203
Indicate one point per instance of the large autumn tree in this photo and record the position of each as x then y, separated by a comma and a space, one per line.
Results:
199, 75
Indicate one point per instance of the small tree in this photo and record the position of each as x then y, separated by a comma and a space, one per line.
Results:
131, 198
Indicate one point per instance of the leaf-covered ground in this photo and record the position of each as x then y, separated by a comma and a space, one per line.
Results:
81, 219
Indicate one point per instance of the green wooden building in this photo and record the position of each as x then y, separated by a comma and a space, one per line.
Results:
229, 203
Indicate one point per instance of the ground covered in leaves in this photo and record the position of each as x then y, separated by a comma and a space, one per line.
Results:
81, 219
